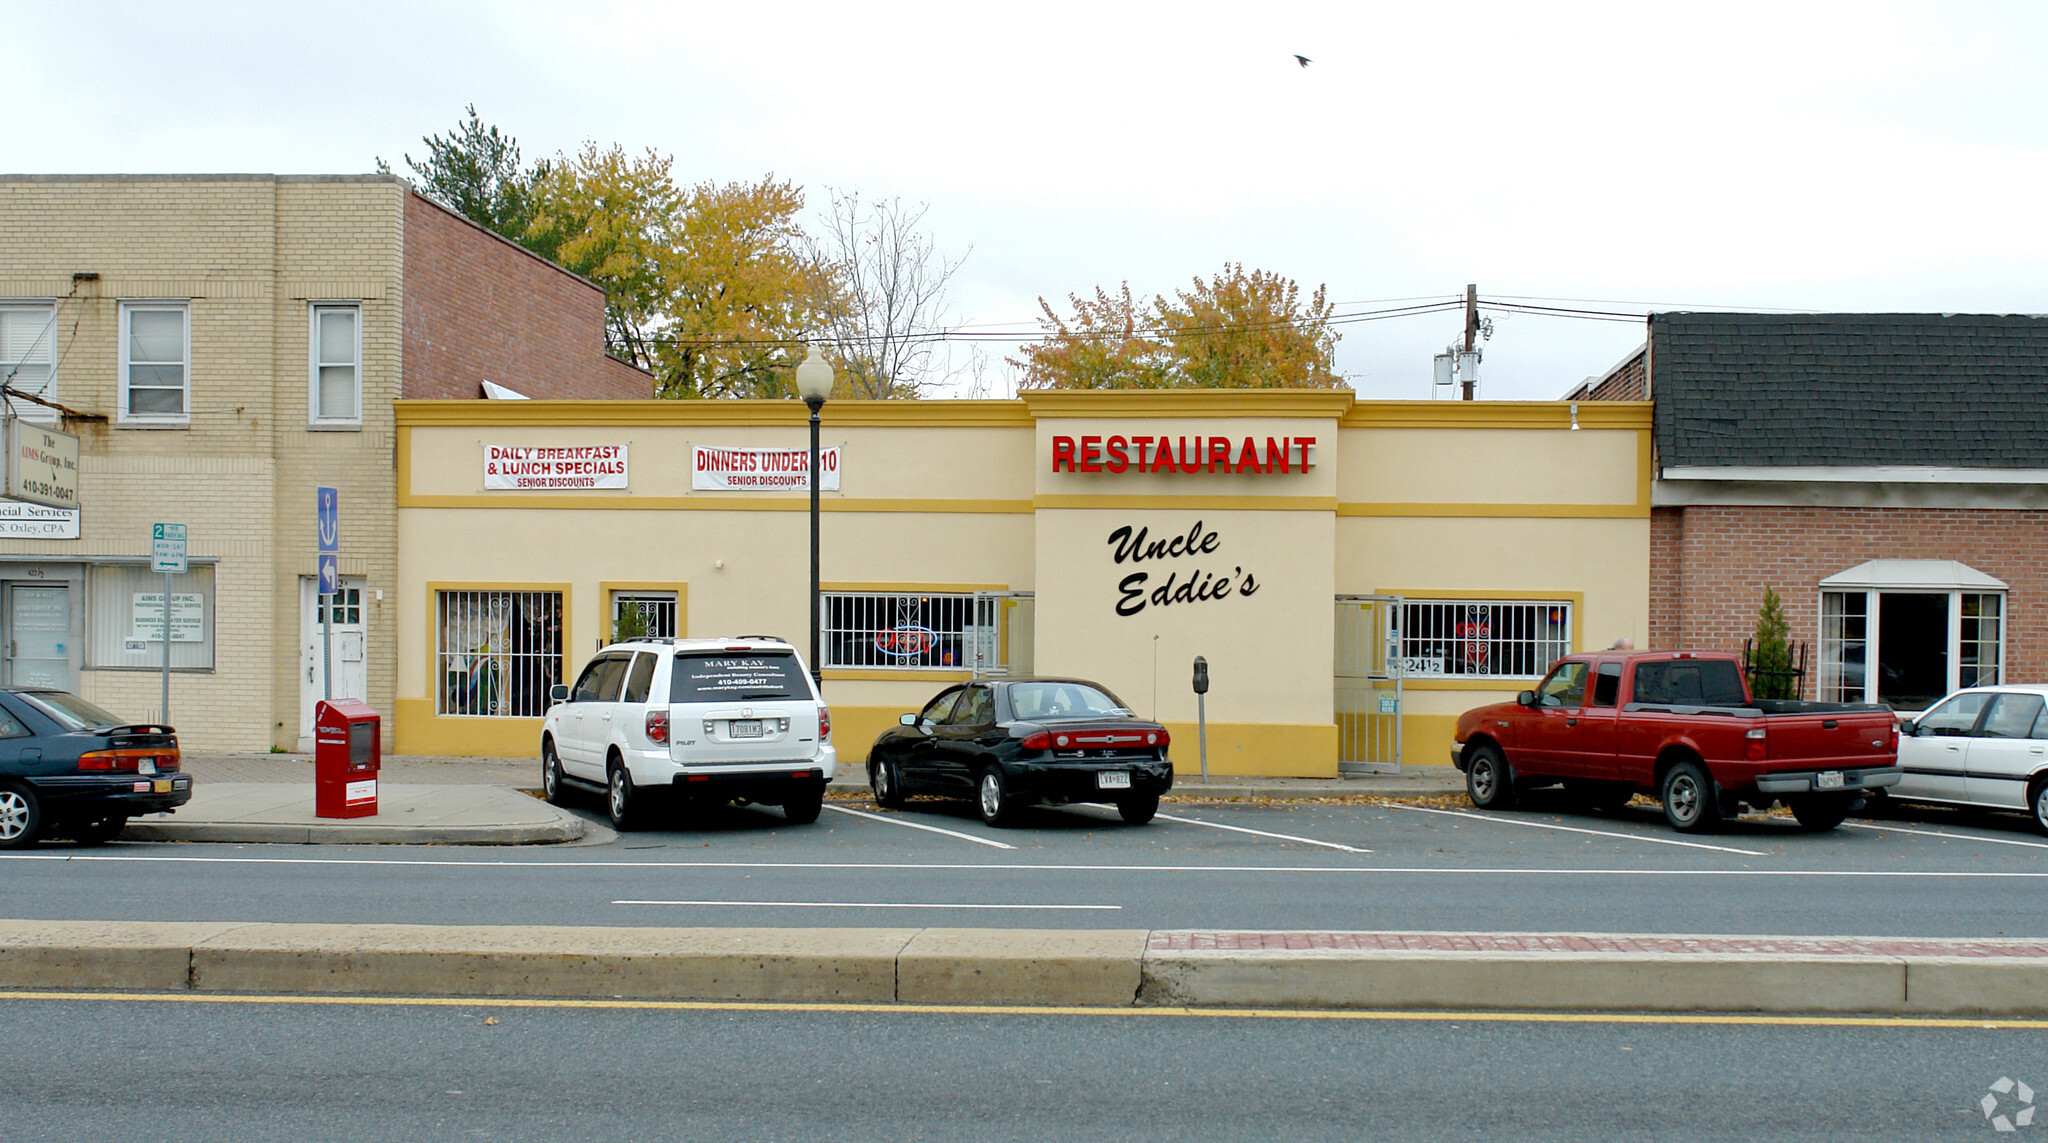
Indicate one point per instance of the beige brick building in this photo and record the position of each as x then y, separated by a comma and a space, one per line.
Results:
223, 345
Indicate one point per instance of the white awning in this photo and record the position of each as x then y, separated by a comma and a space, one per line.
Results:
1903, 575
497, 392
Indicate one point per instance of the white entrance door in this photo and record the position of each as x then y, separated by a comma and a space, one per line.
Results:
351, 678
39, 635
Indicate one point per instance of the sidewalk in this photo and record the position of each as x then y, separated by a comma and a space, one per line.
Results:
255, 798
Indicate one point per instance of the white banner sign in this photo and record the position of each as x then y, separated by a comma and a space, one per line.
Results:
188, 617
20, 520
531, 467
761, 469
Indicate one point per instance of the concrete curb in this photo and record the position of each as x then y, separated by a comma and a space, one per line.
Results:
568, 829
1096, 968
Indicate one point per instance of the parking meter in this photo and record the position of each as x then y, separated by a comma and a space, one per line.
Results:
1201, 675
1202, 712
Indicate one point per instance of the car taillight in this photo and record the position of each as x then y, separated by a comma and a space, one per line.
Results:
1894, 744
1753, 745
1039, 741
824, 724
128, 759
1158, 738
657, 727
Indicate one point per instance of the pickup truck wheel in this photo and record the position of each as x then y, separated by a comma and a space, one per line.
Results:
21, 817
1691, 804
1488, 781
2037, 797
1820, 811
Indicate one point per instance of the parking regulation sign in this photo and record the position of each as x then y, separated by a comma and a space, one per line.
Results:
327, 506
167, 549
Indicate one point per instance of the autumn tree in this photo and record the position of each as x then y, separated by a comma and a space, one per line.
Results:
476, 172
744, 295
886, 307
1237, 330
708, 288
611, 218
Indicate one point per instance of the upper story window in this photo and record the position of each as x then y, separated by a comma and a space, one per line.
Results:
336, 369
28, 357
156, 359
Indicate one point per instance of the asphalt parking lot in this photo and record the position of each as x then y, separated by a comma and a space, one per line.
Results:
1410, 864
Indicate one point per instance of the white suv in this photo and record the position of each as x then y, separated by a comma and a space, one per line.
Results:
710, 720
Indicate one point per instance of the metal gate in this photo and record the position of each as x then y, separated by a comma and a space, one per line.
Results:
1368, 705
1000, 638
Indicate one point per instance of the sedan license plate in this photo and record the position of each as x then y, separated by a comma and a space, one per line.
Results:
1112, 780
1828, 780
745, 727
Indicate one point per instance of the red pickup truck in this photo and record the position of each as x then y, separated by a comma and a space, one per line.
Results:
1680, 726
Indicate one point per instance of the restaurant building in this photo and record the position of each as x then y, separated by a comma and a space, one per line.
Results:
1356, 573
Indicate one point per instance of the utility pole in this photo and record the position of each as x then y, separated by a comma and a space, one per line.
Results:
1456, 372
1471, 378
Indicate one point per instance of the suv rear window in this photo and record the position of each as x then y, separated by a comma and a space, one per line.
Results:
731, 676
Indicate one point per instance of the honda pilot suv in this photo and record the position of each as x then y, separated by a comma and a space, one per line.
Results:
705, 721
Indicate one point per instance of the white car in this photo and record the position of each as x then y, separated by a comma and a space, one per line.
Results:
704, 720
1985, 746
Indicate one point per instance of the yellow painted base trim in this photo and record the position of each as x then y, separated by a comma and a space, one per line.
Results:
1426, 739
417, 729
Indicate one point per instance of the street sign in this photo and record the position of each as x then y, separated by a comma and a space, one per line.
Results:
167, 549
330, 574
327, 502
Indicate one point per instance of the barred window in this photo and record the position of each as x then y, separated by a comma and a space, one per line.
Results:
1484, 638
643, 613
497, 653
897, 629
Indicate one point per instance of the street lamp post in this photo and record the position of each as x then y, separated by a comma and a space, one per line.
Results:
814, 384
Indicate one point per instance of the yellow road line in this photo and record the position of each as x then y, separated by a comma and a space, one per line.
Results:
1444, 1017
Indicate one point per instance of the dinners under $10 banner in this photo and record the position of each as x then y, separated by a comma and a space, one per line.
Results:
761, 469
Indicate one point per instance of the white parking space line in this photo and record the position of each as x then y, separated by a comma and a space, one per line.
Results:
922, 826
1955, 836
1576, 829
861, 905
1263, 833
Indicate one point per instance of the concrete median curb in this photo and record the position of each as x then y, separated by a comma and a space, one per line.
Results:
1092, 968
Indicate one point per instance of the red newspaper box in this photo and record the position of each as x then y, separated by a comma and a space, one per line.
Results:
345, 759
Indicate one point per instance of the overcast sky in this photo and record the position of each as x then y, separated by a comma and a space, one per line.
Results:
1815, 156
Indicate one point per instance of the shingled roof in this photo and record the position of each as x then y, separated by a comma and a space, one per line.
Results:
1935, 390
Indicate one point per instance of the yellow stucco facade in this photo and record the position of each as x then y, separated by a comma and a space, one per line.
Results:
1228, 533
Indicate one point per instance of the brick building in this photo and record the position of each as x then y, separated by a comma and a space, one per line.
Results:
221, 345
1885, 474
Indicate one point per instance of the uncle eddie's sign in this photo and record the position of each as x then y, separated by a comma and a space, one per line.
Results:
1119, 453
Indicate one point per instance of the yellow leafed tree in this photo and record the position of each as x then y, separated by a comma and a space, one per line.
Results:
1237, 330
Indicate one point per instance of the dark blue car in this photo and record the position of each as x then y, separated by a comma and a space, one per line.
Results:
70, 769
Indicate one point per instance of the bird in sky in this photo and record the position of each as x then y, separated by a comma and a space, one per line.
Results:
1303, 60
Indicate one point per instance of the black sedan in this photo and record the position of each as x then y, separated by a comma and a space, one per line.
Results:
1007, 743
71, 769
